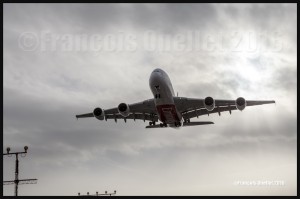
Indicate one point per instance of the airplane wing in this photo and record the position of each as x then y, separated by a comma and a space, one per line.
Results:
144, 110
192, 107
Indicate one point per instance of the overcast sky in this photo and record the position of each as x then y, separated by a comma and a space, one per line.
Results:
66, 59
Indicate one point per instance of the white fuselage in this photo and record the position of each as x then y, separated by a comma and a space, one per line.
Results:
162, 89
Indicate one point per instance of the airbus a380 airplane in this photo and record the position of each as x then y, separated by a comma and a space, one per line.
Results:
170, 110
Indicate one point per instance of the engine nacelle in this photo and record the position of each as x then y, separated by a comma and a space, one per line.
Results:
124, 109
240, 103
99, 113
209, 103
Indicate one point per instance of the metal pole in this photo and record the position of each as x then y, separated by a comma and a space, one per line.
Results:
16, 176
17, 181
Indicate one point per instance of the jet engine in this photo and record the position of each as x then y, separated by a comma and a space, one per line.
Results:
240, 103
124, 109
209, 103
99, 113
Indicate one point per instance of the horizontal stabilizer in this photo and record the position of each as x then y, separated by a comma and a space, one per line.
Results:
184, 124
196, 123
85, 115
155, 126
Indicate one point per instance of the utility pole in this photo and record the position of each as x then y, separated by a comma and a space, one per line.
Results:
17, 181
97, 194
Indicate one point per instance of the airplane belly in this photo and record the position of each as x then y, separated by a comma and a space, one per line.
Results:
167, 113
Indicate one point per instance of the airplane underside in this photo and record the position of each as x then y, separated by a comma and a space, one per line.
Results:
170, 117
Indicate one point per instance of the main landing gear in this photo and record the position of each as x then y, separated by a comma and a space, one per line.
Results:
161, 124
177, 124
187, 120
151, 123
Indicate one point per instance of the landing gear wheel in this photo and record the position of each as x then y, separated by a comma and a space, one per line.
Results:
178, 124
187, 121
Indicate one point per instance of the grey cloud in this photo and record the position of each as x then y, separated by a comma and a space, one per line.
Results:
264, 15
92, 18
285, 78
175, 17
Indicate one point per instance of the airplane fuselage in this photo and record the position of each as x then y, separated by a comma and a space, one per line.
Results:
163, 92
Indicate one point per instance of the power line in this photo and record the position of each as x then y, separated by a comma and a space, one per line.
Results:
17, 181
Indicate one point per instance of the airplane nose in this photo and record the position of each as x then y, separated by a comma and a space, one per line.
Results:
157, 70
155, 77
